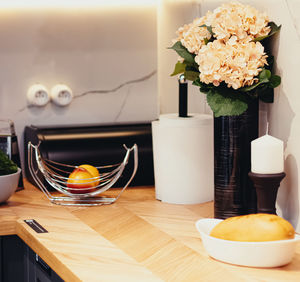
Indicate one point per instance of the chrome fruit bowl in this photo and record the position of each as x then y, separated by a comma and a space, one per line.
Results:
57, 176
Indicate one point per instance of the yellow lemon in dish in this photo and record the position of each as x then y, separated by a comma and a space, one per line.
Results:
93, 171
258, 227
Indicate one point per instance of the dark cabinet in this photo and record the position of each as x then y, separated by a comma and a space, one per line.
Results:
13, 257
20, 263
39, 271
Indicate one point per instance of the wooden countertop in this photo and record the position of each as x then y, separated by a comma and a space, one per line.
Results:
135, 239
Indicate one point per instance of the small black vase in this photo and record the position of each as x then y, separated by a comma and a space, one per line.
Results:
234, 193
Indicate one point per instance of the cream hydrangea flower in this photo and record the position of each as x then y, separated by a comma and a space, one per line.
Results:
236, 19
233, 62
192, 36
225, 47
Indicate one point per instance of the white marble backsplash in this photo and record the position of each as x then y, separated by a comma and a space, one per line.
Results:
106, 55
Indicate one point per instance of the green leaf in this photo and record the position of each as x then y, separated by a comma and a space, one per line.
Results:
209, 28
179, 68
251, 87
275, 81
7, 166
191, 75
274, 29
194, 68
183, 53
204, 88
197, 82
264, 75
226, 105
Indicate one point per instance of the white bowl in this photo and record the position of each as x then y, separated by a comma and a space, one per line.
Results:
8, 185
255, 254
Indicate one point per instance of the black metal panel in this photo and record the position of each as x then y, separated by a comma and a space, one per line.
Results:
96, 145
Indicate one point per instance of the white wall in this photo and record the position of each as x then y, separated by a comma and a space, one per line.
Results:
92, 48
284, 114
171, 15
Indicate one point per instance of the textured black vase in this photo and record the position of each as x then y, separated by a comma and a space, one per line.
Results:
234, 192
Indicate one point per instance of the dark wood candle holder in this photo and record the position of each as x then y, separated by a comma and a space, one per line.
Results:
266, 186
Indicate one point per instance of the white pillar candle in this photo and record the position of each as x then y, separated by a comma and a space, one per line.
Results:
267, 155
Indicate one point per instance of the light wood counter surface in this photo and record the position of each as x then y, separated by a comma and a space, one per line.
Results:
135, 239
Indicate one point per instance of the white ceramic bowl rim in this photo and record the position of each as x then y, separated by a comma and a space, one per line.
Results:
286, 241
18, 171
252, 254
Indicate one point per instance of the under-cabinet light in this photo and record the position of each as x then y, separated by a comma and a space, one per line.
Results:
37, 4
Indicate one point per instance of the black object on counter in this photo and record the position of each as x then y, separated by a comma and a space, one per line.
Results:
95, 145
183, 98
266, 186
35, 226
234, 192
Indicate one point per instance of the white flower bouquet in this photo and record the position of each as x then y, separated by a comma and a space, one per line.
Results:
225, 54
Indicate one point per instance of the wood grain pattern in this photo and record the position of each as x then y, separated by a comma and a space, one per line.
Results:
7, 220
136, 239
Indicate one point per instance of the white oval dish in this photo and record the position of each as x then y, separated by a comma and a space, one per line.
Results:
254, 254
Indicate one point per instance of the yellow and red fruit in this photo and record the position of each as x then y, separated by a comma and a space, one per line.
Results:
93, 171
79, 180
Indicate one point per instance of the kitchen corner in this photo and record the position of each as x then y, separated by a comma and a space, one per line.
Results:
136, 239
85, 82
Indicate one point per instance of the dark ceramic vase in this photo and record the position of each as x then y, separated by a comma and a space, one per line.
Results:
234, 193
